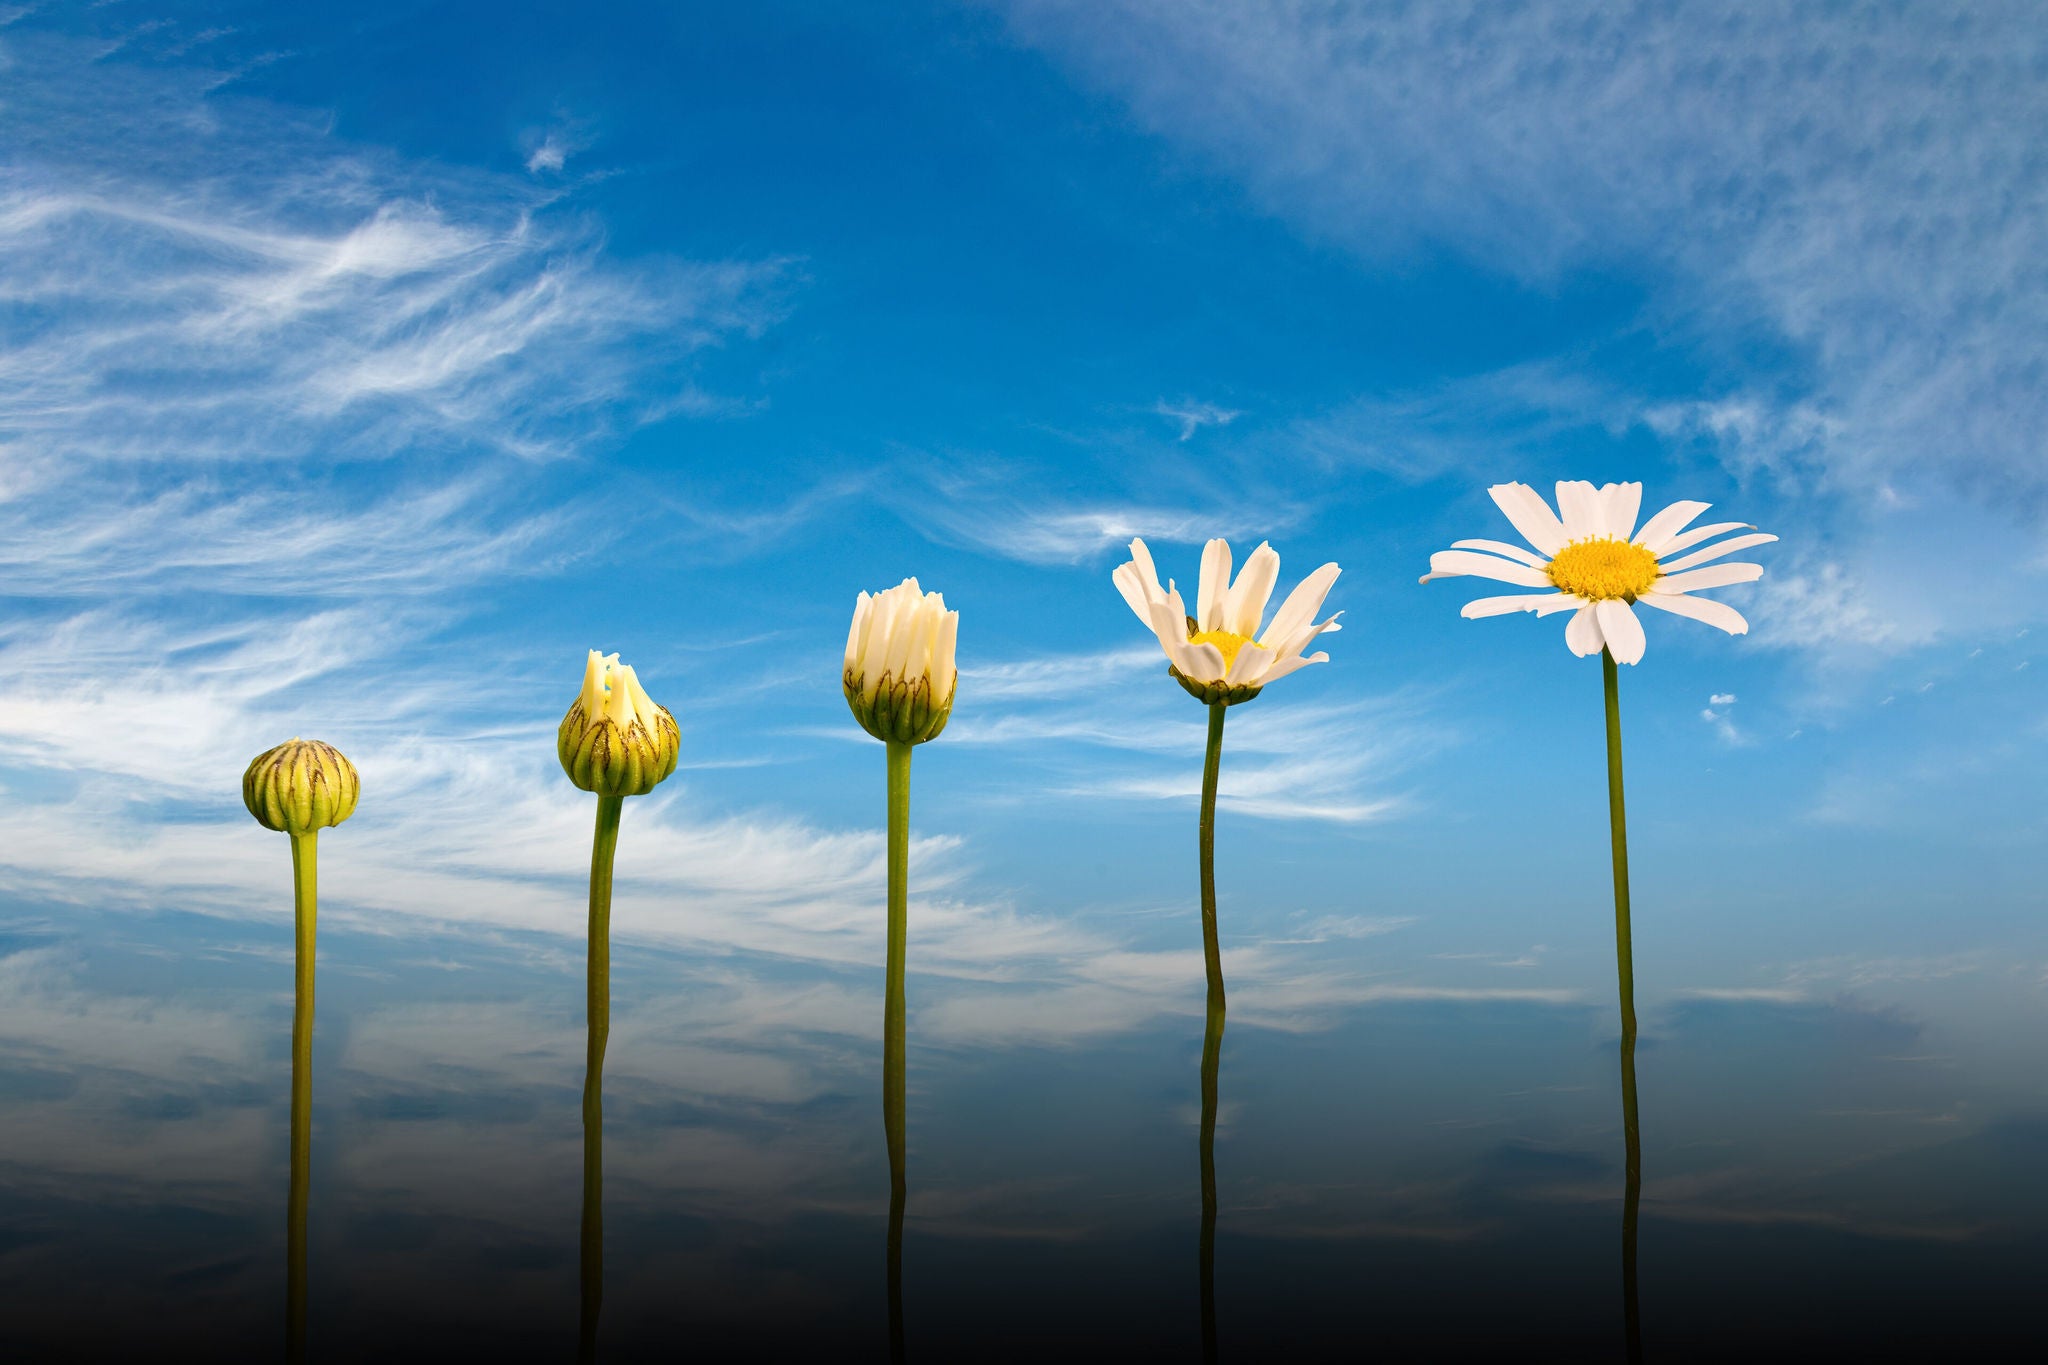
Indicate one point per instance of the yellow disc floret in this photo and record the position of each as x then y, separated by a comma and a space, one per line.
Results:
1228, 644
1604, 569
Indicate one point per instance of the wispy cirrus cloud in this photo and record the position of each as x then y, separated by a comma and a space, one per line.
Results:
1191, 416
1124, 730
270, 421
1879, 213
1037, 533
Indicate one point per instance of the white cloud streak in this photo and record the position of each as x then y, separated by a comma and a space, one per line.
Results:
1861, 181
1192, 416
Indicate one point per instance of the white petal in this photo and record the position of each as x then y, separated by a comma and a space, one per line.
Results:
644, 709
1580, 508
1249, 665
1713, 576
1501, 547
1582, 633
1286, 666
1303, 638
874, 652
1623, 631
853, 641
1203, 663
1253, 589
1170, 624
1726, 547
1215, 584
1699, 609
1532, 516
1175, 613
1142, 557
1700, 533
1302, 604
1623, 502
944, 670
924, 633
900, 630
618, 702
1455, 563
1130, 582
1666, 524
1542, 603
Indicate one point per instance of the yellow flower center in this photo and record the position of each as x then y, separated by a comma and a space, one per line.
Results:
1603, 569
1227, 643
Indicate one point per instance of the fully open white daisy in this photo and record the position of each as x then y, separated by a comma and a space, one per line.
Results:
1219, 653
1596, 563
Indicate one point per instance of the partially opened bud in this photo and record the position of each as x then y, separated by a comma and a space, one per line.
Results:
300, 786
615, 741
899, 676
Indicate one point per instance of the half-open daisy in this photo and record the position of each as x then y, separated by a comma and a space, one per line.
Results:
1596, 563
1219, 654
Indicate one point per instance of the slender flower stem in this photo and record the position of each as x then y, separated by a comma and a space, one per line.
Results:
896, 1274
1212, 767
1631, 1201
1624, 955
597, 1013
1212, 1038
1618, 819
1212, 1058
304, 917
893, 1027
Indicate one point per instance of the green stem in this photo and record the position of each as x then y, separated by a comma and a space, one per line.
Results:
1624, 956
1212, 1058
896, 1273
893, 1027
1212, 1037
305, 917
597, 1014
1631, 1201
1212, 767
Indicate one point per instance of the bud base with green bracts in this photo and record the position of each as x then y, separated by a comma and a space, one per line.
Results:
1212, 693
617, 760
898, 712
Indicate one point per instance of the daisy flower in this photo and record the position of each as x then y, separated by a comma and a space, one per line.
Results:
1221, 657
1219, 654
1598, 565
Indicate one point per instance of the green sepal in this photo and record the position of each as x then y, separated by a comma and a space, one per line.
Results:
1209, 694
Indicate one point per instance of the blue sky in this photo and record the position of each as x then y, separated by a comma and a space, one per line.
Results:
362, 366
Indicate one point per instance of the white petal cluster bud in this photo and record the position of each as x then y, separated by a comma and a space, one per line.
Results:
615, 741
899, 676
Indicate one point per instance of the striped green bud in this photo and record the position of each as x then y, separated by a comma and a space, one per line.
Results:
615, 741
898, 712
300, 786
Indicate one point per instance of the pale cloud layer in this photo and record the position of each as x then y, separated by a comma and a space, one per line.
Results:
1862, 181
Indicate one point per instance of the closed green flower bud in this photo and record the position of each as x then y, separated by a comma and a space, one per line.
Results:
300, 786
899, 675
615, 741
